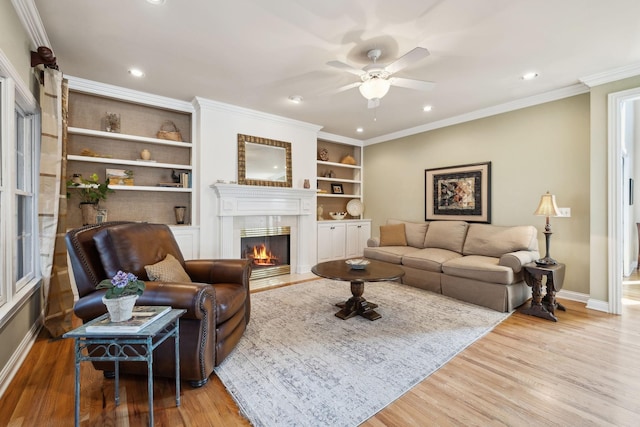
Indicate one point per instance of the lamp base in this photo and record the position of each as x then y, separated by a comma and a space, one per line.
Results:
546, 261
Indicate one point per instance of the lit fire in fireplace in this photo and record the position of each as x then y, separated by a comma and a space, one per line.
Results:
262, 256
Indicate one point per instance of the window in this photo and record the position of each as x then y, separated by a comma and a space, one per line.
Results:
19, 160
24, 221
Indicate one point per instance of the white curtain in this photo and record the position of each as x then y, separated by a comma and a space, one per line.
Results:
57, 293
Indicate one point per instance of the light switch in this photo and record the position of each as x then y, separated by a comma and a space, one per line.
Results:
565, 212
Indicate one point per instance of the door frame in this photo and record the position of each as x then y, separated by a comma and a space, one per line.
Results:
616, 102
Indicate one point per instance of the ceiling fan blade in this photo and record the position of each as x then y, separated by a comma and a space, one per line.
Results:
412, 84
404, 61
373, 103
346, 87
346, 67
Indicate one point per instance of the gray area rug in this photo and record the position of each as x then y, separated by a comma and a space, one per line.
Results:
299, 365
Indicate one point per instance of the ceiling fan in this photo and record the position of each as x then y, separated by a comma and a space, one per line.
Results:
376, 79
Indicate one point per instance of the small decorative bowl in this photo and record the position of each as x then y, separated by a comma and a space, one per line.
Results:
337, 215
357, 264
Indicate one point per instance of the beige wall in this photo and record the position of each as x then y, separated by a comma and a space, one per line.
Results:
532, 150
14, 40
599, 176
14, 44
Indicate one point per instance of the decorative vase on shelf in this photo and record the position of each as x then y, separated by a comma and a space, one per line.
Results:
145, 154
320, 212
120, 309
89, 213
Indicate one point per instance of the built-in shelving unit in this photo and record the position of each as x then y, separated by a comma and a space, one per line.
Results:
335, 171
91, 149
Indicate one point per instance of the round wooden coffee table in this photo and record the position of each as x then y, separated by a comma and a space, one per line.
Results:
376, 271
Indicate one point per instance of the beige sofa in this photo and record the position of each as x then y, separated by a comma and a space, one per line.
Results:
477, 263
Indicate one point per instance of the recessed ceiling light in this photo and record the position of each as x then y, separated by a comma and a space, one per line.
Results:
427, 108
156, 2
529, 76
136, 72
359, 130
296, 99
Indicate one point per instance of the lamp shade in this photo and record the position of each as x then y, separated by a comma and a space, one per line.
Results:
374, 87
547, 206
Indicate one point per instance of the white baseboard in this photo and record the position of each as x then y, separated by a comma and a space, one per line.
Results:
16, 360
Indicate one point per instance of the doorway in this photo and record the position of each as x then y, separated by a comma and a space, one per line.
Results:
624, 167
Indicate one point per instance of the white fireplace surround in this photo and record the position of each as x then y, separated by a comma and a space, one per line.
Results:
245, 206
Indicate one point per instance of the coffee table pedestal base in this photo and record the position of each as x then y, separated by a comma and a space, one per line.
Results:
357, 305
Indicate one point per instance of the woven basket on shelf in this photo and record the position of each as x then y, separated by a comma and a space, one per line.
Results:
169, 131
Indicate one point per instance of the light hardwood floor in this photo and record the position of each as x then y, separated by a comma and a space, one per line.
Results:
580, 371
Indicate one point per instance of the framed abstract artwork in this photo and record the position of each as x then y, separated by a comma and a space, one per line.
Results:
458, 193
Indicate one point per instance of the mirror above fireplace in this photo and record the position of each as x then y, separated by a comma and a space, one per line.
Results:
263, 161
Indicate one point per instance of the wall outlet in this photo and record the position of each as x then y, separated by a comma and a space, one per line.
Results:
565, 212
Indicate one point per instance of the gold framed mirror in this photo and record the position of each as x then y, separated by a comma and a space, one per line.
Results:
263, 161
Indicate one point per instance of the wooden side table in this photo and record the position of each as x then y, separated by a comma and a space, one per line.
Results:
544, 307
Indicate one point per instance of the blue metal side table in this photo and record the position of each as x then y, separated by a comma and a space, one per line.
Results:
117, 347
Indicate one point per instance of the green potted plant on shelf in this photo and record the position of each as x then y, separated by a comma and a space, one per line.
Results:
91, 192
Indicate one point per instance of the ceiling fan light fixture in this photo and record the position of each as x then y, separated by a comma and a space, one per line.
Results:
374, 88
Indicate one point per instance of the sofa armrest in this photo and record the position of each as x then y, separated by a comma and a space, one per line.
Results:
219, 271
515, 260
373, 242
188, 296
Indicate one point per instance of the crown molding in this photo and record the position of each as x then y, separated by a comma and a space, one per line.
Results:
88, 86
530, 101
613, 75
339, 138
30, 18
203, 103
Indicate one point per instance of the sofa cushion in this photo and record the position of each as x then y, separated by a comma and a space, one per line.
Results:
414, 231
430, 259
482, 268
167, 270
446, 235
495, 241
393, 235
392, 254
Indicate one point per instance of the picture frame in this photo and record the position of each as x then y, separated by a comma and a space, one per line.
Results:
460, 193
336, 188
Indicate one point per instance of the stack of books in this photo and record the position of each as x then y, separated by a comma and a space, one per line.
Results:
143, 316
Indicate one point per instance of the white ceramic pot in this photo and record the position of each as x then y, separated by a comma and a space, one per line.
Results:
120, 309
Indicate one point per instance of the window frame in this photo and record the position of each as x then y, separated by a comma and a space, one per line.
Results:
16, 98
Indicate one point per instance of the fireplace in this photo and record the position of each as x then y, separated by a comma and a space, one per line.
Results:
240, 207
268, 249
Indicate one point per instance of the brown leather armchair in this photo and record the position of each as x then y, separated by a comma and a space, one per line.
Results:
217, 302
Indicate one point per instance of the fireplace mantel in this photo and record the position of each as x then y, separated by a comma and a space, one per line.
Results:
240, 205
244, 200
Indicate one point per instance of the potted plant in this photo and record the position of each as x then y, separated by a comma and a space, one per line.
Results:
91, 191
123, 290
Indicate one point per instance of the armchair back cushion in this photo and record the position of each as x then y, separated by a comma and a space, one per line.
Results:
127, 247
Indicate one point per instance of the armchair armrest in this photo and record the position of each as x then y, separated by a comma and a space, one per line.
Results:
196, 298
515, 260
219, 271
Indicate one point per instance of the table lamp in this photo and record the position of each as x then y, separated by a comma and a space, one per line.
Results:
547, 208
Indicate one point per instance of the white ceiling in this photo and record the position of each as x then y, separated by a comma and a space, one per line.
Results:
257, 53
